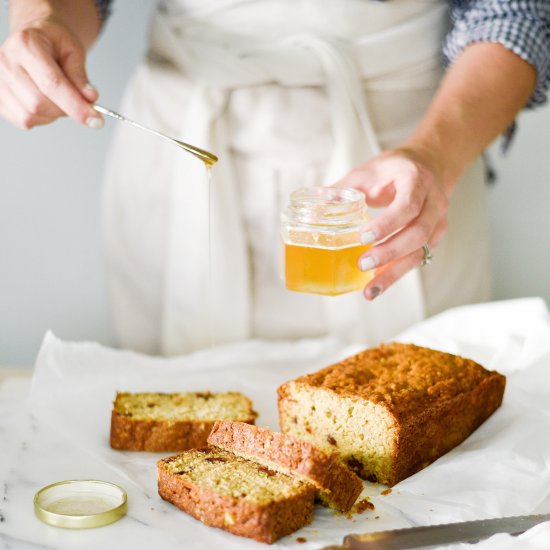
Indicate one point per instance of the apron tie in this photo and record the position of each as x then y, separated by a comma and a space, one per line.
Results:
201, 307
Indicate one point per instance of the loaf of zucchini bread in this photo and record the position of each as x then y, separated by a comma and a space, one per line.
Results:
173, 421
337, 486
243, 497
391, 410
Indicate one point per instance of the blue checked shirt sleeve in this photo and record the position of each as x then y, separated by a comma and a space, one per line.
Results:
104, 9
522, 26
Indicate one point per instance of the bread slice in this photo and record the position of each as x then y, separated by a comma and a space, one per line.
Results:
172, 421
337, 486
391, 410
240, 496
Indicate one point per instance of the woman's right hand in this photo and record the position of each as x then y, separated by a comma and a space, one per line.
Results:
43, 76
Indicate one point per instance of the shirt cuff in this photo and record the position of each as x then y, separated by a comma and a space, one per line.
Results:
103, 9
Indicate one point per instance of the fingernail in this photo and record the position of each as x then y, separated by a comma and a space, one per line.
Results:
94, 122
367, 237
366, 264
374, 292
90, 87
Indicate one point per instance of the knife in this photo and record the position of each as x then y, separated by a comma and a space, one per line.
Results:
432, 535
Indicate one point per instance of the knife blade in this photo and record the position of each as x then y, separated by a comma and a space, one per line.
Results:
432, 535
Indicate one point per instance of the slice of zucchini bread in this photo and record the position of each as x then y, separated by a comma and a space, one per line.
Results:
173, 421
337, 486
243, 497
391, 410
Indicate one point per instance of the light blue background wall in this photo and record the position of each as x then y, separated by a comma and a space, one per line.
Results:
50, 251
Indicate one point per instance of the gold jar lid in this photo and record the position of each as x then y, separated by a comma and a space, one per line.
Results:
80, 503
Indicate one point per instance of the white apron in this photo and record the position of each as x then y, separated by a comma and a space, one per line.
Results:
288, 93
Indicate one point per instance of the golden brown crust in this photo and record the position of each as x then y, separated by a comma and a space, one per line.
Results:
262, 522
129, 433
436, 399
422, 439
337, 484
404, 377
157, 436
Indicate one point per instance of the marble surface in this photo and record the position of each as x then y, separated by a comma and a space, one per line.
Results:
33, 455
7, 371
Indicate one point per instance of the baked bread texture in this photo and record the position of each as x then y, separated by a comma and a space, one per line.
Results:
337, 486
391, 410
240, 496
172, 421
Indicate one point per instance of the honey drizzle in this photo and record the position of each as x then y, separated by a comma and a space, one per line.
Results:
210, 305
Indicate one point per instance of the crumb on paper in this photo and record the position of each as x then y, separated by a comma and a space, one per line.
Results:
376, 517
301, 540
386, 492
361, 505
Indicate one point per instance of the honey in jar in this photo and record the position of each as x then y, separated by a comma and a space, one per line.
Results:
320, 230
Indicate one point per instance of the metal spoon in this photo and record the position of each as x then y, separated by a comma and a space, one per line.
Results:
208, 158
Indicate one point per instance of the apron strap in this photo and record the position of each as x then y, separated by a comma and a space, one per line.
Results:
193, 291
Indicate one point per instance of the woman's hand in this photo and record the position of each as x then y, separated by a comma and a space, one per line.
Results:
415, 181
42, 76
416, 214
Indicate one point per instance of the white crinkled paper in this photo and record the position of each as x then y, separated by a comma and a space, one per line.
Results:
502, 469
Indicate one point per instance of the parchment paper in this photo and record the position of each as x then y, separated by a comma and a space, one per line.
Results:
502, 469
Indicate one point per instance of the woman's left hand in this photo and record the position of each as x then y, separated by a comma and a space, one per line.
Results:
416, 214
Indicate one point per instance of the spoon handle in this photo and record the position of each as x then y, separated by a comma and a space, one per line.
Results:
203, 155
108, 112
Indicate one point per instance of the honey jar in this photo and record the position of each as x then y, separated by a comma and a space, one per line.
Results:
320, 231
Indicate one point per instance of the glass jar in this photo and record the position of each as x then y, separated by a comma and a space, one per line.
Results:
320, 231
